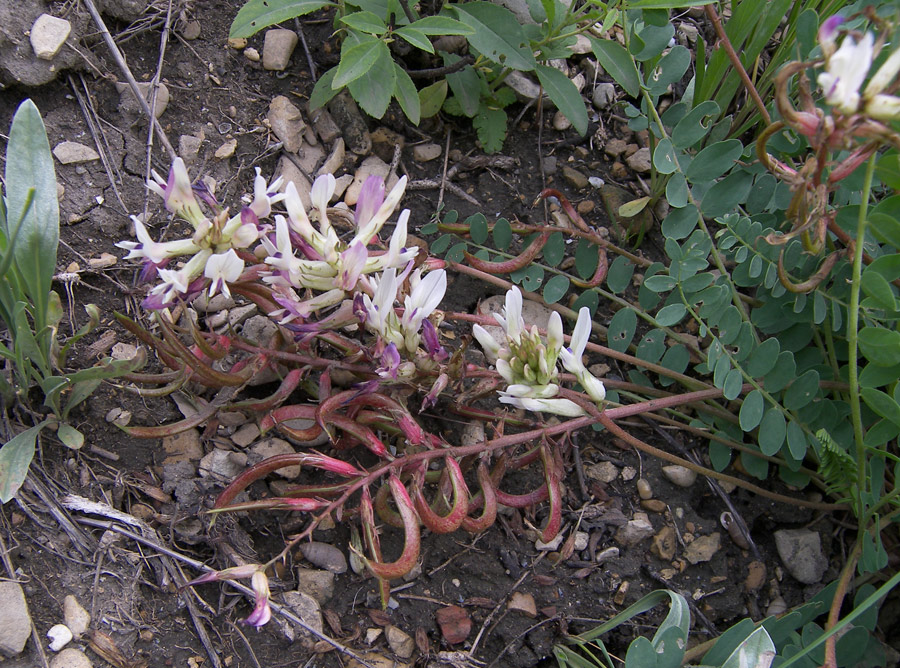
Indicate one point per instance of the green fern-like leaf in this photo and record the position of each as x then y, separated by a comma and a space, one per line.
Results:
490, 125
836, 465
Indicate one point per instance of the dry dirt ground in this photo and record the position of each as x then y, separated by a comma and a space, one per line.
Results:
139, 616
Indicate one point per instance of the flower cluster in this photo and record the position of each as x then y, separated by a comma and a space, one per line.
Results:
528, 363
846, 69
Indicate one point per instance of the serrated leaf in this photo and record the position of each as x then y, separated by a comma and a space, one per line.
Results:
613, 57
496, 34
431, 98
357, 59
366, 22
417, 39
258, 14
490, 125
406, 95
564, 94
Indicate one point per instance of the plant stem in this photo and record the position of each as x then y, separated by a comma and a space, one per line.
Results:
853, 335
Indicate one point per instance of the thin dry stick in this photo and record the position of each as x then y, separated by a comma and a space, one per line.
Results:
497, 609
736, 63
444, 172
280, 609
129, 77
154, 89
309, 59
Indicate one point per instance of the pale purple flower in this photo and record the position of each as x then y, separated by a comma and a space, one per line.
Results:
153, 251
433, 342
264, 196
353, 261
390, 362
370, 199
176, 191
262, 613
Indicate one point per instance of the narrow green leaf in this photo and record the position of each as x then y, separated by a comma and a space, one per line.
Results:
258, 14
441, 25
634, 207
431, 98
496, 34
357, 59
613, 57
366, 22
406, 95
15, 458
731, 388
564, 95
417, 39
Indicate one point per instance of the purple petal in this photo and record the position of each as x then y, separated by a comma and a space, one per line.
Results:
370, 199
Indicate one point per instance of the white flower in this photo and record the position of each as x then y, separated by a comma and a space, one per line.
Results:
397, 255
177, 192
222, 269
376, 222
381, 304
511, 321
846, 71
262, 200
572, 357
487, 342
426, 294
562, 407
155, 251
176, 282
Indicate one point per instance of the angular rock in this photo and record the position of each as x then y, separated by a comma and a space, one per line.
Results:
69, 152
189, 148
801, 552
48, 34
335, 159
348, 117
523, 602
77, 618
524, 88
400, 642
245, 435
317, 583
371, 166
128, 105
615, 147
455, 624
222, 464
226, 150
324, 125
259, 329
306, 608
634, 532
292, 174
639, 161
15, 621
582, 45
575, 178
182, 447
272, 447
309, 156
603, 472
278, 47
703, 548
71, 658
286, 122
664, 543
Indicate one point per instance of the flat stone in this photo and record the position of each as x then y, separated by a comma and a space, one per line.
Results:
15, 621
245, 435
127, 103
604, 95
575, 178
77, 618
703, 548
348, 117
226, 150
222, 464
310, 156
639, 161
525, 88
184, 446
71, 152
48, 34
582, 45
317, 583
324, 125
259, 329
603, 471
189, 148
335, 159
278, 47
801, 552
634, 532
307, 609
400, 642
286, 122
288, 171
272, 447
71, 658
523, 602
664, 543
615, 147
426, 152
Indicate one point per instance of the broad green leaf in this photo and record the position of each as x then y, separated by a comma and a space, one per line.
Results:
359, 58
564, 94
726, 194
882, 403
878, 290
258, 14
30, 173
880, 346
497, 34
782, 372
670, 69
417, 39
441, 25
755, 466
664, 160
677, 190
731, 388
406, 95
374, 88
666, 4
696, 125
534, 277
613, 57
796, 440
680, 222
478, 227
555, 249
670, 315
466, 86
502, 233
621, 330
802, 390
634, 207
618, 277
756, 651
763, 358
651, 41
15, 458
752, 410
322, 92
652, 346
366, 22
888, 170
70, 437
490, 125
555, 289
431, 98
885, 228
713, 161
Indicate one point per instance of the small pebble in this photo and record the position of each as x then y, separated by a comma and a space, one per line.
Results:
644, 489
681, 476
60, 636
252, 54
